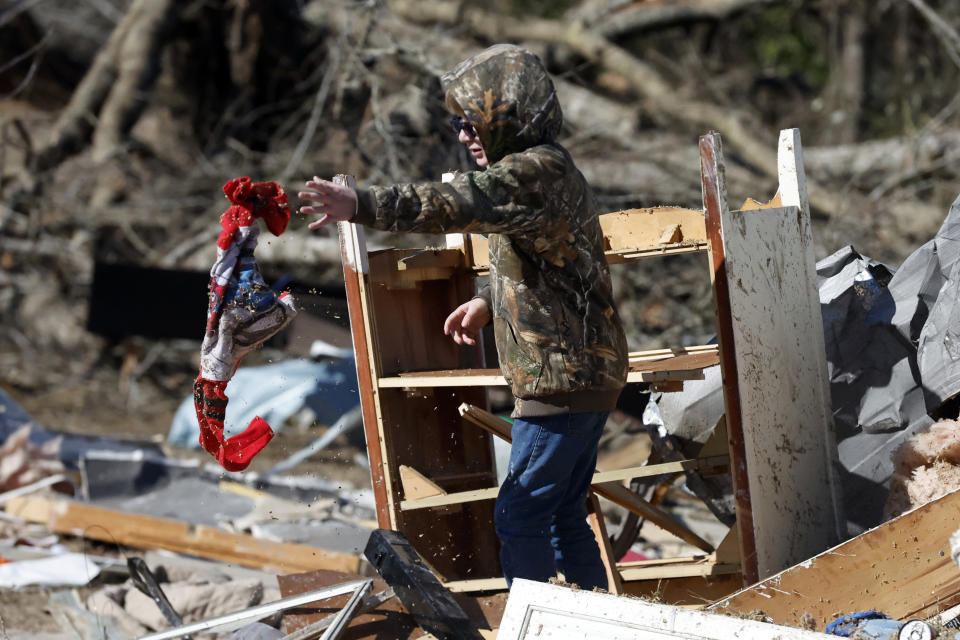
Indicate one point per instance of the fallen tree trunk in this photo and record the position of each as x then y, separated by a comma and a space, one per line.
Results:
112, 93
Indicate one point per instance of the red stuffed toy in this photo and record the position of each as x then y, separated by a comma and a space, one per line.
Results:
243, 312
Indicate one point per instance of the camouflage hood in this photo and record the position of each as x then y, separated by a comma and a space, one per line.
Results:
507, 95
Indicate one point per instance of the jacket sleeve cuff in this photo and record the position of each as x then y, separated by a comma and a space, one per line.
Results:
366, 207
484, 294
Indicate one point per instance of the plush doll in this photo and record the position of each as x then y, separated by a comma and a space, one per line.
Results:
243, 312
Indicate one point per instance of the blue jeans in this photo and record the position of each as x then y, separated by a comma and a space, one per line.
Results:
541, 514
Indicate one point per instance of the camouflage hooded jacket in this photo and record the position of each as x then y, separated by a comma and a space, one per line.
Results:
559, 339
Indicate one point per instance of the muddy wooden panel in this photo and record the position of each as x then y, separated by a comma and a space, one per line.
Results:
902, 568
781, 374
777, 330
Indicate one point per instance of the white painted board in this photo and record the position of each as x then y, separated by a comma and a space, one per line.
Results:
536, 611
784, 393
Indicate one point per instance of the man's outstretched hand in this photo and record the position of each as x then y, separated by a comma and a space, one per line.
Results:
333, 202
466, 321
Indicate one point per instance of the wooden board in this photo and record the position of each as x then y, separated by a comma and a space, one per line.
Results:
771, 337
628, 235
714, 189
148, 532
902, 568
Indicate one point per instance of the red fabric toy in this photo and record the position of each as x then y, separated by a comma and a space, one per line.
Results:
243, 312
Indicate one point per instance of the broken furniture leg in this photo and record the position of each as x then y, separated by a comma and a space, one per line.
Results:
420, 591
147, 583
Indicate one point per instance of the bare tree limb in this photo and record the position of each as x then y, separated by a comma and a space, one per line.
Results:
644, 17
114, 86
19, 7
139, 66
333, 67
947, 34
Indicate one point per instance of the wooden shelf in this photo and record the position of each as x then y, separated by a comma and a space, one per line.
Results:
617, 475
676, 568
696, 566
664, 365
621, 256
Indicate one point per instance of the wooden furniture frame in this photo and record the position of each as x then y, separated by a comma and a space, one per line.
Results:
423, 398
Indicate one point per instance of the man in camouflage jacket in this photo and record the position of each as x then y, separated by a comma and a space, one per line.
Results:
559, 338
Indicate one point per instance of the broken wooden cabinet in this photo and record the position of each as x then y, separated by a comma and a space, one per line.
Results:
433, 471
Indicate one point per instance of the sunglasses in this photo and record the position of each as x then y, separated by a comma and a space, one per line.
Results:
459, 123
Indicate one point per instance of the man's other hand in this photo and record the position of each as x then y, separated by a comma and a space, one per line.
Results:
466, 321
333, 202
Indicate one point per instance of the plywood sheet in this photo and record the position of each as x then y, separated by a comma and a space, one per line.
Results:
902, 568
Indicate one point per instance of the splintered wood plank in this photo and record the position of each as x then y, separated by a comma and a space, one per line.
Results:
631, 234
782, 380
902, 568
149, 532
660, 354
632, 255
599, 527
714, 186
634, 229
